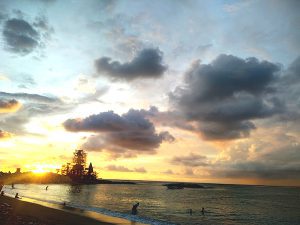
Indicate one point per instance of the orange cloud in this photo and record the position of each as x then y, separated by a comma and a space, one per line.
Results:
7, 106
4, 134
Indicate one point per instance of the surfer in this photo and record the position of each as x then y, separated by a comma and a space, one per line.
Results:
47, 188
202, 211
134, 208
17, 195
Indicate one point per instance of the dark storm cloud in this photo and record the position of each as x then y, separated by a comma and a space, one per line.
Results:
224, 96
146, 64
228, 74
167, 118
8, 105
125, 169
23, 37
20, 36
192, 160
120, 134
289, 88
291, 77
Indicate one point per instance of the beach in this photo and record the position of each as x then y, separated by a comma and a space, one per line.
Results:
18, 212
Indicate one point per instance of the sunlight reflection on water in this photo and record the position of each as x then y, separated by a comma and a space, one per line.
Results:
224, 204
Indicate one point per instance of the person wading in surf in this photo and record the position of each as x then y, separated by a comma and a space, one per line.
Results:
134, 208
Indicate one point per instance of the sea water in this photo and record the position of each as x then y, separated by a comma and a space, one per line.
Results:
223, 204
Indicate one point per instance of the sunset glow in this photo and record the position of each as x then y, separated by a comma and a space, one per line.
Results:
200, 91
39, 171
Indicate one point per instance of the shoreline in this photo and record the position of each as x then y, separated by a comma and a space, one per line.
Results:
16, 210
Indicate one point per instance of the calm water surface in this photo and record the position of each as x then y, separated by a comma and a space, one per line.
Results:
224, 204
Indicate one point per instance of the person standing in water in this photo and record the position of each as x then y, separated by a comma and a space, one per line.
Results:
202, 211
134, 208
47, 188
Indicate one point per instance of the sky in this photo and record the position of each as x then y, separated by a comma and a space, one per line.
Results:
198, 91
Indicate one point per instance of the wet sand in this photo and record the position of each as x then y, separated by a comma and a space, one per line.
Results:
18, 212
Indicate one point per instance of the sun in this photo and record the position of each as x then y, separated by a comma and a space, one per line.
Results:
40, 169
43, 168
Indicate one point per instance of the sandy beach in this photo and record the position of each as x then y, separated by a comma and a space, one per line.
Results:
18, 212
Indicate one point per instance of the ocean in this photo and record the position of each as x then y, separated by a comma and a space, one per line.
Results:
223, 204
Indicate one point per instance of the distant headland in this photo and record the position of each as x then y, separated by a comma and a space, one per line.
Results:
74, 172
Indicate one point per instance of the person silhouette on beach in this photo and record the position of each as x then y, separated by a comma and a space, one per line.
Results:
134, 208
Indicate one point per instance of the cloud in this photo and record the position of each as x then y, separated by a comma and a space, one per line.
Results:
130, 132
96, 95
275, 156
25, 81
167, 118
22, 37
289, 89
140, 170
118, 168
223, 97
30, 97
191, 160
257, 170
4, 134
33, 105
168, 172
7, 106
125, 169
146, 64
189, 172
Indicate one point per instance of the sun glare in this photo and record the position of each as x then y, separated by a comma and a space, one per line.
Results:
40, 169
